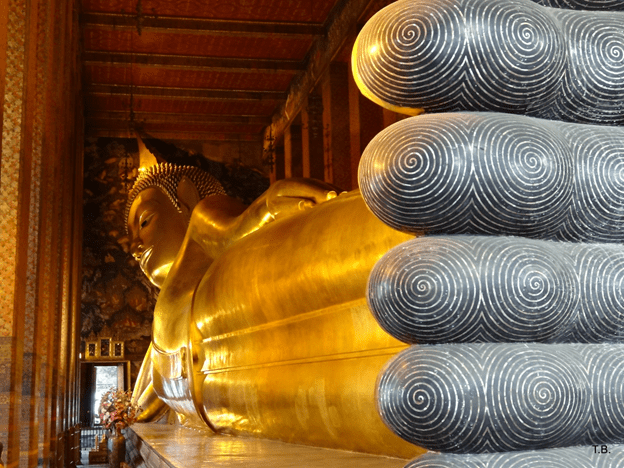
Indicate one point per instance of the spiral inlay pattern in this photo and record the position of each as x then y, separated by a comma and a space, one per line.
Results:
506, 56
481, 173
600, 273
465, 289
475, 398
573, 457
599, 5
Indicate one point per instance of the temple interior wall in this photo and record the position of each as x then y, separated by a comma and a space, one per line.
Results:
40, 230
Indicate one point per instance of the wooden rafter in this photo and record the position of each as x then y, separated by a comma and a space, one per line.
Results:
168, 24
340, 25
185, 93
177, 135
192, 62
162, 117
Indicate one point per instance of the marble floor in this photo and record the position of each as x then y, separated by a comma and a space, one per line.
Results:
166, 446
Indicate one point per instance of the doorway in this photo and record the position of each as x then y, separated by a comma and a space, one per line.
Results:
96, 378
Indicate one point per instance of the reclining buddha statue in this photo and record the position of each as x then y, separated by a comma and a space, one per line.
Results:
467, 302
261, 325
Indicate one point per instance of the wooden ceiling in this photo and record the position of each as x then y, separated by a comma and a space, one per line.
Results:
207, 70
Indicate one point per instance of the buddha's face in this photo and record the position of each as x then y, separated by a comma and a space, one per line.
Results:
157, 230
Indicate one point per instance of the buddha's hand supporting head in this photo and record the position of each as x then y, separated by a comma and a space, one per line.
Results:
158, 213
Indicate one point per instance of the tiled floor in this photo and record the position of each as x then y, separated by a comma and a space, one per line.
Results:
180, 447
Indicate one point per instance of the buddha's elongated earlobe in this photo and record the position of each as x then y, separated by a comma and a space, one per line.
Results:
188, 196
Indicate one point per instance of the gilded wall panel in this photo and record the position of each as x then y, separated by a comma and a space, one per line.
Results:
36, 210
10, 167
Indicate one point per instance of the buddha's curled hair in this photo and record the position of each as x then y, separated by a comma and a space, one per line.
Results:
166, 177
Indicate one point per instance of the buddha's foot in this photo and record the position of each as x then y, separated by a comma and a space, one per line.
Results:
486, 173
613, 5
475, 398
445, 289
590, 456
511, 56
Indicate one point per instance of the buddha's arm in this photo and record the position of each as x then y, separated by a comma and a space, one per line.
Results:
218, 221
291, 196
152, 407
214, 224
171, 314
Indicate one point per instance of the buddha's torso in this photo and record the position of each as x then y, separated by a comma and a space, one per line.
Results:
279, 333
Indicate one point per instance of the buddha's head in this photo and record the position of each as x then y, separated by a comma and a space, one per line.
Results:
158, 212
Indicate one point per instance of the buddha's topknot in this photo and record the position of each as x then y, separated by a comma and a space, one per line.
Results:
166, 177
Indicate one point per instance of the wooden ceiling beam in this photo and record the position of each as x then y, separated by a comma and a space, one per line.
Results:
160, 117
192, 62
185, 93
149, 126
175, 135
183, 25
341, 24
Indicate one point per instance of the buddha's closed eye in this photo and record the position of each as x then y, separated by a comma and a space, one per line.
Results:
145, 219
